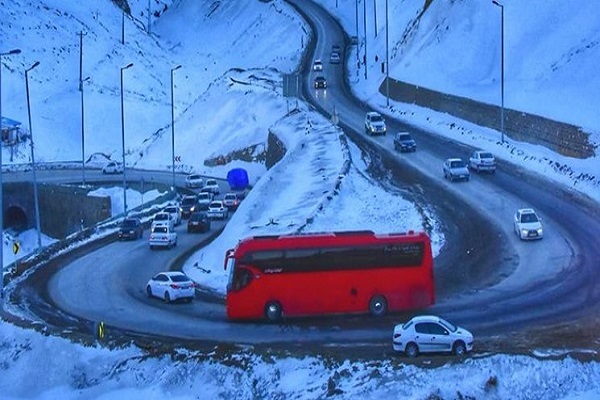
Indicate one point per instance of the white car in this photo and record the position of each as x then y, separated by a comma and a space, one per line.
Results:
217, 209
211, 186
162, 236
175, 214
431, 334
172, 285
482, 161
163, 219
455, 169
204, 199
375, 124
113, 167
194, 181
318, 65
528, 225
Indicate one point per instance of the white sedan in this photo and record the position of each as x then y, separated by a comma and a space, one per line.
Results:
162, 236
194, 181
172, 285
217, 209
113, 167
175, 214
431, 334
528, 225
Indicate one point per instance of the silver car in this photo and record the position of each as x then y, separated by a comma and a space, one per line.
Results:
431, 334
217, 209
455, 169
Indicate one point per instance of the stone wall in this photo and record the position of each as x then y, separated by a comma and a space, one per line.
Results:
563, 138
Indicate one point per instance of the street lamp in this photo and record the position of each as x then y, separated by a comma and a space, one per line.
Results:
82, 131
502, 68
173, 127
387, 55
33, 168
123, 141
8, 53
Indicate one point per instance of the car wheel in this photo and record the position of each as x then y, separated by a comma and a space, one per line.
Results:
378, 306
151, 247
273, 311
459, 349
167, 297
411, 350
149, 291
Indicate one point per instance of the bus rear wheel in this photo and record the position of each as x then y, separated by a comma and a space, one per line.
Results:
273, 311
378, 306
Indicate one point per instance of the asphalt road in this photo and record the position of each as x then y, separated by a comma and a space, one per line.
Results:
486, 278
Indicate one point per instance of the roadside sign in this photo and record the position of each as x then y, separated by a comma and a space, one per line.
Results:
16, 247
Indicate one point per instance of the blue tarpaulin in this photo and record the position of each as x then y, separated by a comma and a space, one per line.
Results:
237, 179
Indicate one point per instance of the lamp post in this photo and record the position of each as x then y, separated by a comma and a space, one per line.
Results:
81, 80
173, 127
8, 53
387, 55
501, 68
33, 168
123, 141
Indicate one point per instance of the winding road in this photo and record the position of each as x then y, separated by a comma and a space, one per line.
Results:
486, 278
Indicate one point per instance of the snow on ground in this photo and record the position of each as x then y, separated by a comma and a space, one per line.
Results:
229, 100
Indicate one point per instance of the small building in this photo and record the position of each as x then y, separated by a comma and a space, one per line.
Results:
10, 130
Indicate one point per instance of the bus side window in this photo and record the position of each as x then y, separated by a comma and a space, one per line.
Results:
242, 278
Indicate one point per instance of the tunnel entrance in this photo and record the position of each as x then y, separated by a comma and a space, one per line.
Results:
15, 218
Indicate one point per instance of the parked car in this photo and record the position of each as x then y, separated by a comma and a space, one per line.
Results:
455, 169
216, 209
163, 219
403, 141
336, 47
194, 181
162, 236
188, 205
175, 214
112, 167
204, 199
320, 82
198, 222
335, 57
528, 225
211, 186
482, 161
318, 65
131, 228
232, 201
375, 124
431, 334
170, 286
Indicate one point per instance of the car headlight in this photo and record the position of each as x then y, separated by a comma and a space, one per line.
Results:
524, 232
539, 231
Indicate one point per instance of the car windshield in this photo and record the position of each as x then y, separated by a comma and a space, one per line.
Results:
529, 217
405, 137
188, 201
457, 164
376, 118
171, 210
159, 229
193, 177
486, 155
216, 204
203, 196
448, 325
197, 217
128, 223
180, 278
211, 182
161, 217
230, 197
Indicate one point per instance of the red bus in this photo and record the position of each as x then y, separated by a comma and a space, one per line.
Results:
340, 272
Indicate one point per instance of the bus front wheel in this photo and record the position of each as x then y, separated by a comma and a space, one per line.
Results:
378, 306
273, 311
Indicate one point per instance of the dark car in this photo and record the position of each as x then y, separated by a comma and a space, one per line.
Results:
131, 228
320, 82
198, 222
188, 206
404, 142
